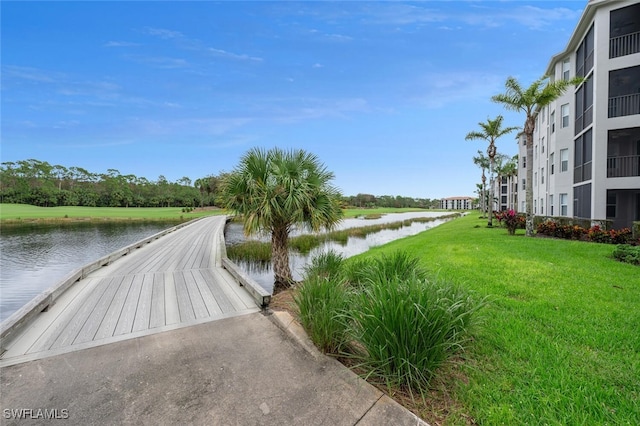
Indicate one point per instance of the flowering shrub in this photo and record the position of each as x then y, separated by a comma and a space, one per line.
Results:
511, 220
575, 232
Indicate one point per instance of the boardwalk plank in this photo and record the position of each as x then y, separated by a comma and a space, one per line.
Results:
70, 332
128, 314
108, 326
172, 310
184, 301
157, 302
143, 311
199, 307
222, 297
213, 306
91, 326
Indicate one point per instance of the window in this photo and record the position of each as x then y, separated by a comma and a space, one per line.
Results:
535, 152
542, 146
524, 162
582, 158
524, 184
563, 204
564, 111
584, 54
535, 206
624, 92
564, 160
566, 69
551, 205
611, 204
624, 27
524, 206
551, 162
535, 179
541, 206
553, 121
542, 176
582, 201
584, 104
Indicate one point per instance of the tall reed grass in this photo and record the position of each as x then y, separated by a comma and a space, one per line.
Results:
398, 324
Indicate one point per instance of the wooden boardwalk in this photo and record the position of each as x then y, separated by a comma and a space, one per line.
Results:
174, 281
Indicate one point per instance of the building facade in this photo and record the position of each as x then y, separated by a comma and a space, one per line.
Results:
586, 159
457, 203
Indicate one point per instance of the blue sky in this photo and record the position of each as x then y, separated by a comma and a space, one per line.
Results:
382, 92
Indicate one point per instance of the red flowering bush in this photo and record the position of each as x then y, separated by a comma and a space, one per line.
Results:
575, 232
511, 220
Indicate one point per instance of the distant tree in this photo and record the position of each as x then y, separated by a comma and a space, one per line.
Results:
491, 130
274, 191
530, 101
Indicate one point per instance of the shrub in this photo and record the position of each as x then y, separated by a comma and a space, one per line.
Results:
388, 268
627, 253
511, 220
407, 328
326, 265
399, 325
322, 305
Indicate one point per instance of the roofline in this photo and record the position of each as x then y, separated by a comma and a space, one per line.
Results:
576, 36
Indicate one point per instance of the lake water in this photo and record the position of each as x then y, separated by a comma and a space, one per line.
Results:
33, 259
263, 273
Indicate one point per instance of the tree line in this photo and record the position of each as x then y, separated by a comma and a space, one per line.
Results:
40, 183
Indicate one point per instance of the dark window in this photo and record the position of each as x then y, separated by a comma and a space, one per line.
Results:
624, 92
624, 31
582, 201
582, 157
584, 54
623, 152
584, 104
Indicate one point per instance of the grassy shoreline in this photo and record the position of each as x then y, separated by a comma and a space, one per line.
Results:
559, 344
23, 214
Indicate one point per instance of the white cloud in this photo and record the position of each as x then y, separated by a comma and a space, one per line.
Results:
120, 44
225, 54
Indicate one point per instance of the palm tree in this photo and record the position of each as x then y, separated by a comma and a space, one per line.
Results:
274, 191
491, 130
530, 101
482, 162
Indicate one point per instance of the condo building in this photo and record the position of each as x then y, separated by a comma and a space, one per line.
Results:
586, 153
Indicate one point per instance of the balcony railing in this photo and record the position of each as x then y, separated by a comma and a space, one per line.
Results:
625, 166
624, 45
624, 105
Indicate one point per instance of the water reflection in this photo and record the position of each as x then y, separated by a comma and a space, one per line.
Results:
33, 259
263, 273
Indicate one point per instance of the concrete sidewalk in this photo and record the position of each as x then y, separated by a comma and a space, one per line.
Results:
246, 370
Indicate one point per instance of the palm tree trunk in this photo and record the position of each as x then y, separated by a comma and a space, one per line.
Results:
280, 259
528, 129
491, 194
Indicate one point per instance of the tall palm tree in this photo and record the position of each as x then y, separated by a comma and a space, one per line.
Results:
274, 191
482, 162
530, 101
491, 130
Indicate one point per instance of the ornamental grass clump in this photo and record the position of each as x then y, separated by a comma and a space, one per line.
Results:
406, 328
322, 301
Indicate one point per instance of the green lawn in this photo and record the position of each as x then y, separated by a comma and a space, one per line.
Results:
28, 212
16, 212
383, 210
560, 343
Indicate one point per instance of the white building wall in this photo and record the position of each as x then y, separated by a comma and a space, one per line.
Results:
547, 141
